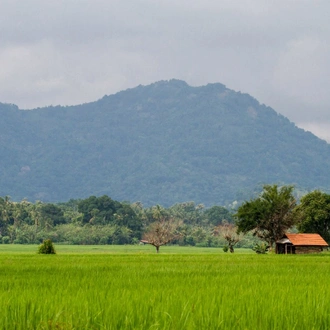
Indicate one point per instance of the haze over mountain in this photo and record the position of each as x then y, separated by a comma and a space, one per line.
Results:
163, 143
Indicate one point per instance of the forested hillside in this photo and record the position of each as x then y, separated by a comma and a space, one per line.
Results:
164, 143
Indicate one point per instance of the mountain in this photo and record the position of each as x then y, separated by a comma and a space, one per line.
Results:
164, 143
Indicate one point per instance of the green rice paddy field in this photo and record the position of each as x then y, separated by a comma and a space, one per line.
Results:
131, 287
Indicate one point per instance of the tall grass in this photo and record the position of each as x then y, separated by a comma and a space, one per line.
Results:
165, 291
114, 249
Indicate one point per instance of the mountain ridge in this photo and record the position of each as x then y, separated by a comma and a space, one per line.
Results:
163, 143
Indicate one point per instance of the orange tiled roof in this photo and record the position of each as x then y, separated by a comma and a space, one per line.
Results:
306, 239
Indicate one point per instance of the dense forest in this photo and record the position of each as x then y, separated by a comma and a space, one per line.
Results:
102, 220
164, 143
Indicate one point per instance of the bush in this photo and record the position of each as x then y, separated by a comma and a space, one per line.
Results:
46, 247
104, 241
135, 241
261, 248
5, 240
225, 248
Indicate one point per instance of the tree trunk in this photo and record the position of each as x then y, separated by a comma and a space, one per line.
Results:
157, 249
270, 246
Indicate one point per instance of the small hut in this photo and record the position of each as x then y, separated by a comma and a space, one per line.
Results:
300, 244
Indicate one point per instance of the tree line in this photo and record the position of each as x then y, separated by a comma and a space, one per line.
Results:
102, 220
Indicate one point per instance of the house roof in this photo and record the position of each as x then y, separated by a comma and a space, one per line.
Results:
306, 239
283, 240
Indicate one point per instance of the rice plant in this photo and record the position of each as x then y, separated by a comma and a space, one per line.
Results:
166, 291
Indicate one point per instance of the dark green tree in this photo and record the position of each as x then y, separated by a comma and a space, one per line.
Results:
270, 215
98, 210
217, 214
52, 213
313, 214
5, 206
188, 212
103, 210
126, 217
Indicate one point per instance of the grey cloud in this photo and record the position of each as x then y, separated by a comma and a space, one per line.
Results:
73, 51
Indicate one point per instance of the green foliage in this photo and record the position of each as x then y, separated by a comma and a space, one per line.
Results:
270, 215
261, 248
5, 240
225, 248
188, 212
88, 234
98, 210
46, 247
52, 213
31, 223
217, 215
103, 210
313, 213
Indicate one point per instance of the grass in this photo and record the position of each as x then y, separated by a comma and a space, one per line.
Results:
116, 249
114, 288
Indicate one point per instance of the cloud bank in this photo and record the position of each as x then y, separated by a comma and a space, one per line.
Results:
70, 52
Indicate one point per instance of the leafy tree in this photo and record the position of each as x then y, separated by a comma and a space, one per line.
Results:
98, 210
155, 213
70, 211
188, 212
270, 215
313, 214
52, 213
12, 215
217, 214
126, 217
4, 215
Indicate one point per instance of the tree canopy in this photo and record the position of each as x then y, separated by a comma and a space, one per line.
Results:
269, 215
313, 214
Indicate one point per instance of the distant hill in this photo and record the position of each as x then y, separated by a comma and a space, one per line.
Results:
159, 144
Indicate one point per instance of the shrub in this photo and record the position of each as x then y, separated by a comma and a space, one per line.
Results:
261, 248
5, 240
135, 241
46, 247
104, 240
225, 248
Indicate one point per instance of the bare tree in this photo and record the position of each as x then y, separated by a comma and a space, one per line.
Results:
228, 231
162, 232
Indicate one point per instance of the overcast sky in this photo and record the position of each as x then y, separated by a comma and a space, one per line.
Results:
74, 51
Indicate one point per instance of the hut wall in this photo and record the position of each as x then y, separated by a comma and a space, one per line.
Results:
285, 248
308, 249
